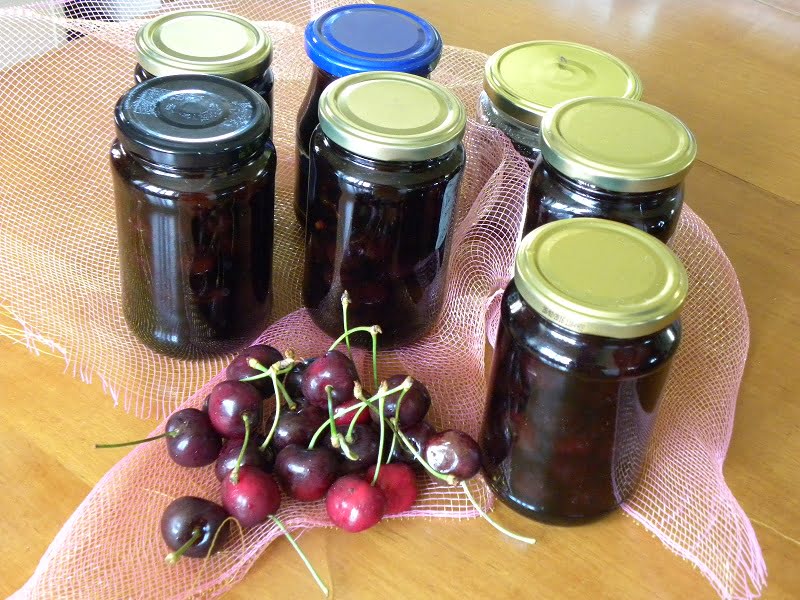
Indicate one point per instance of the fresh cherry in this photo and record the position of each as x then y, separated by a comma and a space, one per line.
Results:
364, 445
353, 504
294, 378
343, 419
297, 427
398, 483
228, 402
253, 498
453, 452
305, 474
418, 435
253, 456
191, 439
333, 369
239, 367
413, 408
191, 519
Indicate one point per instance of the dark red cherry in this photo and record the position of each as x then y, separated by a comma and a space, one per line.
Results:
364, 445
239, 367
453, 452
297, 427
195, 442
418, 435
333, 369
187, 515
353, 504
253, 456
227, 403
294, 378
253, 498
305, 474
413, 408
343, 419
398, 484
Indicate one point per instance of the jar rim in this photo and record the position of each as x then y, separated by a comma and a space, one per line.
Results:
600, 277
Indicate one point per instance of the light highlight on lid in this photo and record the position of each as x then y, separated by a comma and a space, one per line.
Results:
600, 277
210, 42
618, 145
527, 79
392, 116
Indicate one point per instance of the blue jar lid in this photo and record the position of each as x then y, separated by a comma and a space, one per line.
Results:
372, 37
192, 121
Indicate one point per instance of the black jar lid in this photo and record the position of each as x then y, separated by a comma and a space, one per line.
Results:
192, 121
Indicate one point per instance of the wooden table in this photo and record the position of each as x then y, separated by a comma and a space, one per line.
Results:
730, 70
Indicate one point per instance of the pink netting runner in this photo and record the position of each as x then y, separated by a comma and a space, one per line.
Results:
59, 280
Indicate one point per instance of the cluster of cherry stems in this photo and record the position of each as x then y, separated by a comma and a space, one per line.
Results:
359, 480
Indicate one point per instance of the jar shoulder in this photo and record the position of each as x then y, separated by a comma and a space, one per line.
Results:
586, 355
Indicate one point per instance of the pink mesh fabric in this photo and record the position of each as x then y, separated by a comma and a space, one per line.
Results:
59, 280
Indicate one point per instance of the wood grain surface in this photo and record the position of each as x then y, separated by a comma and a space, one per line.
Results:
731, 70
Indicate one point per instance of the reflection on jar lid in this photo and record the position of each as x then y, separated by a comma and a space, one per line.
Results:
371, 37
392, 116
617, 145
204, 41
192, 121
526, 80
600, 277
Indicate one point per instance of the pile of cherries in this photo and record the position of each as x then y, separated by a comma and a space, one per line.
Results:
308, 428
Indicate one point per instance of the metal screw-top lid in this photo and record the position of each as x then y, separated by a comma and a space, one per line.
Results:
392, 116
600, 277
192, 121
525, 80
617, 144
371, 37
204, 41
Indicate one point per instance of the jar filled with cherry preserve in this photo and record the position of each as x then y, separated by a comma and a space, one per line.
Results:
209, 42
589, 326
194, 179
523, 81
356, 39
386, 163
611, 158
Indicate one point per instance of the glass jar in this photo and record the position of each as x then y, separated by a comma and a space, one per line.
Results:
357, 39
193, 169
522, 82
210, 42
386, 163
614, 159
589, 326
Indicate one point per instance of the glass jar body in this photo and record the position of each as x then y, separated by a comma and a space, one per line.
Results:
382, 231
569, 415
262, 85
523, 136
195, 249
552, 197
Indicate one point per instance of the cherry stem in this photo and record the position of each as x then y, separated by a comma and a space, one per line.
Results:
282, 366
374, 335
381, 402
240, 458
277, 416
169, 434
396, 420
300, 553
278, 385
331, 419
500, 528
174, 557
348, 453
324, 426
372, 329
345, 304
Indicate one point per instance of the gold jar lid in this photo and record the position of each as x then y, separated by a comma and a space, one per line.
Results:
211, 42
526, 80
391, 116
600, 277
617, 144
